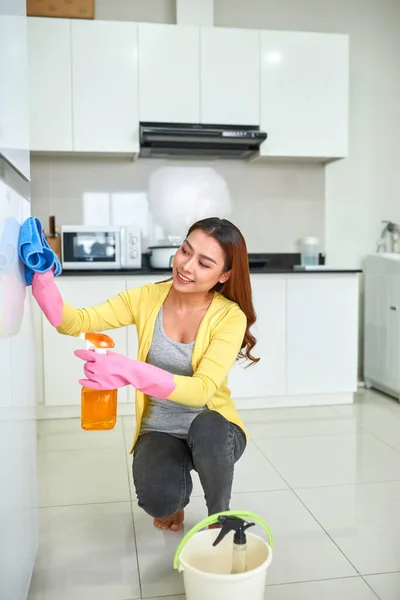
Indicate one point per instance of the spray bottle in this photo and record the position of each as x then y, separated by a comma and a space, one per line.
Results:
98, 407
239, 526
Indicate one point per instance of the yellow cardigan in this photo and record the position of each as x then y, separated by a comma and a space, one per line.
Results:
216, 347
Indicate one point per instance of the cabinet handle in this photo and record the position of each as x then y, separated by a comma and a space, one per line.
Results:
393, 308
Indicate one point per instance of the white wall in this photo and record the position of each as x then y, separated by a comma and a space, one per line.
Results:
273, 204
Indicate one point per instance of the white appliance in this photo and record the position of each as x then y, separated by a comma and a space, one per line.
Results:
86, 247
382, 323
18, 376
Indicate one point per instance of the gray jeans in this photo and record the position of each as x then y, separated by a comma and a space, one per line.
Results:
162, 464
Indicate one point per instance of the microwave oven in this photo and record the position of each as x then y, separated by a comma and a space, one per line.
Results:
85, 247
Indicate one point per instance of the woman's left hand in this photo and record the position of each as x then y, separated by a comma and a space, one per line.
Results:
104, 371
111, 371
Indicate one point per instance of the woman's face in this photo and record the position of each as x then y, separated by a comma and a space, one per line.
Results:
199, 264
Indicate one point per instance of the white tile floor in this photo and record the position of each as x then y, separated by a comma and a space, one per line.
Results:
326, 479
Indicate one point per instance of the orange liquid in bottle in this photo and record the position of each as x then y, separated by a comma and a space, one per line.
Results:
98, 409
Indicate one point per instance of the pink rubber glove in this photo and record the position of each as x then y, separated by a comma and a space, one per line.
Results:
47, 295
112, 371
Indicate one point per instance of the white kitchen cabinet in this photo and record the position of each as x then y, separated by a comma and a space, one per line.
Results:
268, 377
50, 92
14, 97
382, 330
62, 369
304, 94
382, 323
322, 334
104, 85
306, 332
230, 75
169, 73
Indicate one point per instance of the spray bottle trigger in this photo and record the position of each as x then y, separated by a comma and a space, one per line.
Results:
239, 526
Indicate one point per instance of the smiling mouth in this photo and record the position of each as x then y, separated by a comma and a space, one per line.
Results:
183, 278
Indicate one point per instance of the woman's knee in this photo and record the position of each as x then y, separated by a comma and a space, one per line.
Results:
208, 428
163, 483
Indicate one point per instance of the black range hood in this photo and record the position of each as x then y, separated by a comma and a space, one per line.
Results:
177, 140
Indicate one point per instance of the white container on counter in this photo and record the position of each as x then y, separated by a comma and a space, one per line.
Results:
309, 248
161, 257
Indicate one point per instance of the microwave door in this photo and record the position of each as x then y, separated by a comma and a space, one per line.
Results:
86, 249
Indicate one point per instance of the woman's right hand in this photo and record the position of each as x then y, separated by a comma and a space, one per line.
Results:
47, 295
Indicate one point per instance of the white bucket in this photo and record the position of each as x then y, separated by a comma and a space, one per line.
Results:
207, 569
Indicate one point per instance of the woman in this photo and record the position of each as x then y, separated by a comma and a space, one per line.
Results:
190, 333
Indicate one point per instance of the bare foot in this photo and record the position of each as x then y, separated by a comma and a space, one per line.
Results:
174, 522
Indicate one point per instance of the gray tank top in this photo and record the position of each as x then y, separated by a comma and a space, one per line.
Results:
163, 415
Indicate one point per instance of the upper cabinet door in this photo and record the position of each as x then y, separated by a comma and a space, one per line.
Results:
304, 94
105, 96
169, 73
230, 74
50, 97
14, 111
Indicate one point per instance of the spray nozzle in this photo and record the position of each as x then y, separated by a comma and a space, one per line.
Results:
239, 526
99, 341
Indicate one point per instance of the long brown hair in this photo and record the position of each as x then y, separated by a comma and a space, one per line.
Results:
238, 287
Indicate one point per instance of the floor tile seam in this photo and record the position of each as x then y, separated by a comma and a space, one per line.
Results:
362, 432
132, 513
328, 535
306, 435
79, 504
346, 577
312, 515
368, 585
339, 485
375, 436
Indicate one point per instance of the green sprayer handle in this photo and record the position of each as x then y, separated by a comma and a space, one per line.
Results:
242, 514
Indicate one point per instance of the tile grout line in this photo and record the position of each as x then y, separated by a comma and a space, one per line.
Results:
305, 435
276, 585
382, 573
74, 504
372, 590
380, 440
132, 515
311, 514
374, 435
338, 485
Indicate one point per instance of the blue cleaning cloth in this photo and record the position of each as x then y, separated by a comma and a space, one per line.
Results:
34, 251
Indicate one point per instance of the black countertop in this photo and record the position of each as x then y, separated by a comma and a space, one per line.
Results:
166, 274
262, 263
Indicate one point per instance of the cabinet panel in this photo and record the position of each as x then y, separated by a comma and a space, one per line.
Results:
50, 92
304, 94
14, 96
376, 319
268, 377
105, 91
169, 73
322, 334
230, 74
62, 369
392, 353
